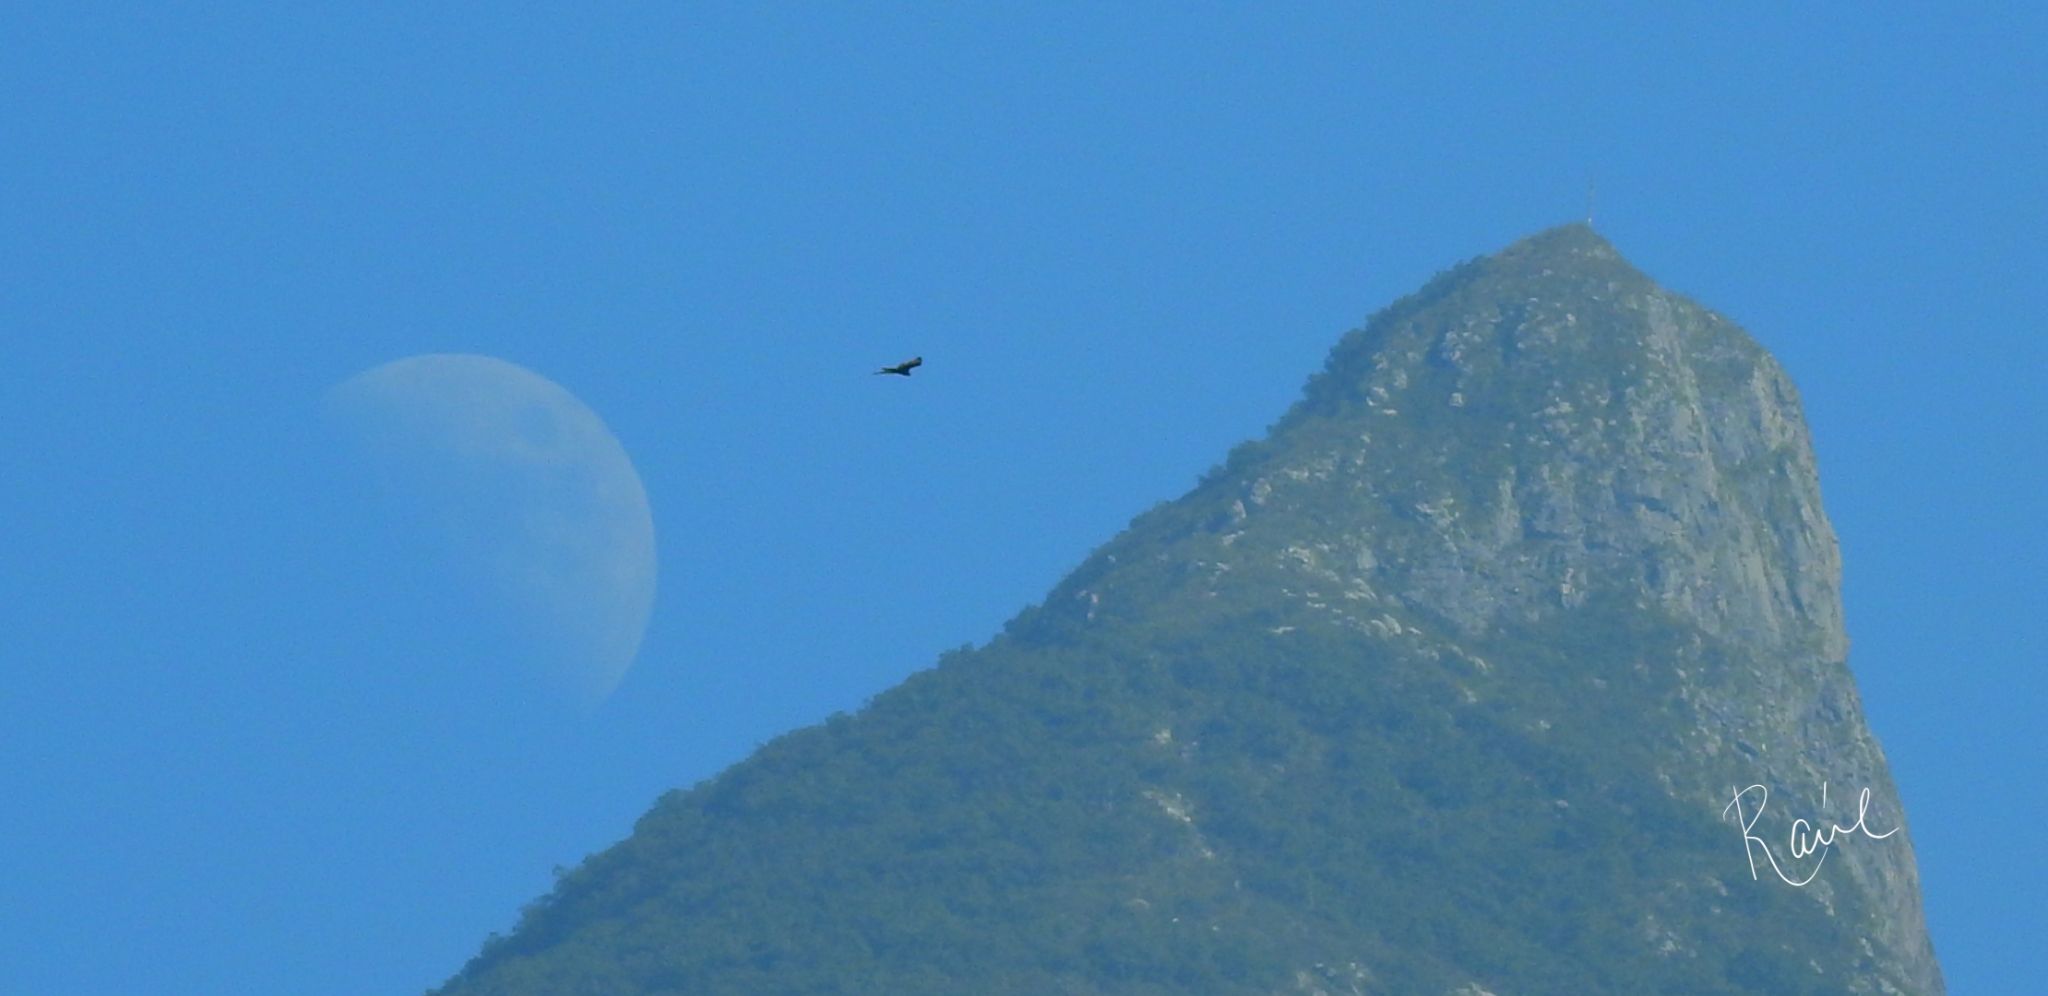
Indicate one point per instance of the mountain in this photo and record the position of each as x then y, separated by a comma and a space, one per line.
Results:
1446, 685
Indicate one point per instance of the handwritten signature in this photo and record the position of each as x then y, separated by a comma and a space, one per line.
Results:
1805, 839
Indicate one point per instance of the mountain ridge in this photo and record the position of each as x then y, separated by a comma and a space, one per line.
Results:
1534, 568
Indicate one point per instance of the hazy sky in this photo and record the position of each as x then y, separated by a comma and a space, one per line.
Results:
242, 747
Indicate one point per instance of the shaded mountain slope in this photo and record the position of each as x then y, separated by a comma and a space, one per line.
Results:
1445, 683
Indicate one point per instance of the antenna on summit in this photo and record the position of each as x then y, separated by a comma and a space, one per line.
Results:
1589, 202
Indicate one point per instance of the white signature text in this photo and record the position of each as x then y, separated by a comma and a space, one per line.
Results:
1806, 840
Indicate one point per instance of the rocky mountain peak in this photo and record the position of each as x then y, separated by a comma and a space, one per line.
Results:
1533, 429
1534, 447
1442, 686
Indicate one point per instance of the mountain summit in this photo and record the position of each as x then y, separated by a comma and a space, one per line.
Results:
1470, 677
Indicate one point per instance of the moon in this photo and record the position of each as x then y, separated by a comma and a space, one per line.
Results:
526, 491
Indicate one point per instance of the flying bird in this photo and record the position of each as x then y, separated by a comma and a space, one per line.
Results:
903, 368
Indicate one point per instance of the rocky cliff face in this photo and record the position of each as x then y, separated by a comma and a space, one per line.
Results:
1536, 425
1446, 684
1537, 429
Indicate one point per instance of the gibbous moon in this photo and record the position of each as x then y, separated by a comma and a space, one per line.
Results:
532, 495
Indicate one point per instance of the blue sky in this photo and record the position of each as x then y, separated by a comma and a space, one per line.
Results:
236, 753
